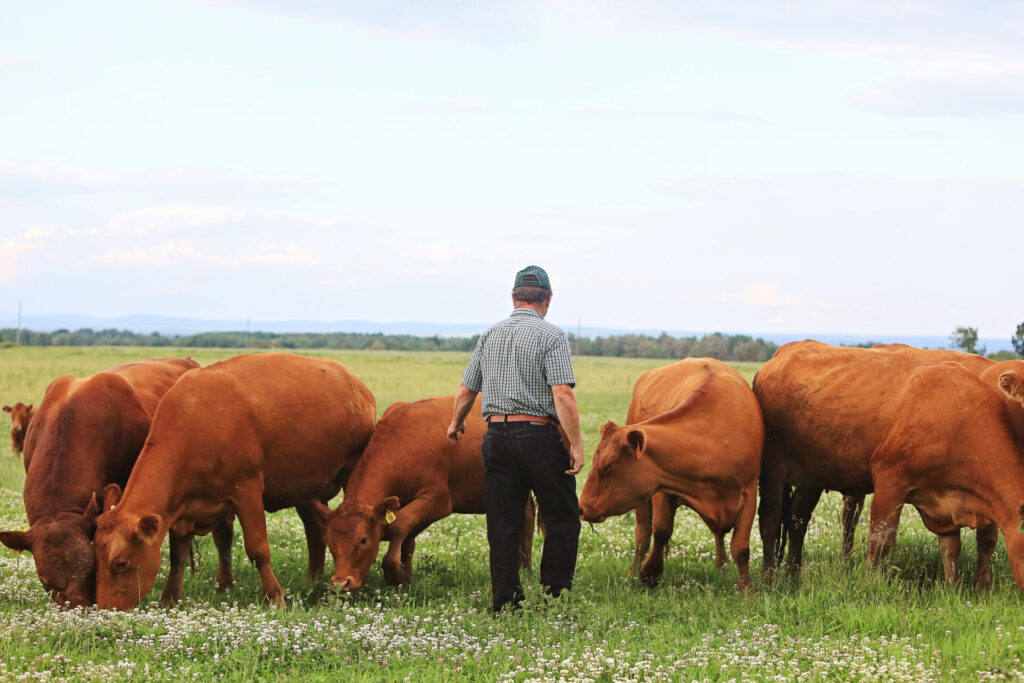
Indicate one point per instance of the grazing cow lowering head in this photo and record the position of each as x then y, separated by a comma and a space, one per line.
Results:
21, 415
620, 477
354, 532
127, 554
63, 556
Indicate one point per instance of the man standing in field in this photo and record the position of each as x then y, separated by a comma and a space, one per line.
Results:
524, 369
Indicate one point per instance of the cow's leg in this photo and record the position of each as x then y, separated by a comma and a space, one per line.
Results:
315, 526
886, 507
740, 543
1014, 551
852, 507
253, 520
644, 513
526, 534
223, 534
415, 516
805, 499
772, 492
408, 548
663, 521
988, 537
179, 546
949, 550
721, 558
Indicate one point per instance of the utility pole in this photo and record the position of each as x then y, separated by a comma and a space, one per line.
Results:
17, 336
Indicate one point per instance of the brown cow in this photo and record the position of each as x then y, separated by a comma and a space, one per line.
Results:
86, 434
854, 504
21, 415
861, 420
252, 433
412, 474
701, 445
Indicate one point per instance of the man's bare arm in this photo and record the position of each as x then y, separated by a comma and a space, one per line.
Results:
464, 398
569, 417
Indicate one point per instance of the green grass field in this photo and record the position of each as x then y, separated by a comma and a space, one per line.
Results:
835, 623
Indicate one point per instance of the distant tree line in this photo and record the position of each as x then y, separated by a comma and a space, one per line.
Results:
737, 347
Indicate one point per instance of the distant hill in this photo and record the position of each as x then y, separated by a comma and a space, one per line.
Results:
170, 326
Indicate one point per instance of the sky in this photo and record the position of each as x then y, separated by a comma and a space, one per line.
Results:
743, 165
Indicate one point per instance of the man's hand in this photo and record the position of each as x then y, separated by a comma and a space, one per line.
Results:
453, 430
576, 455
464, 399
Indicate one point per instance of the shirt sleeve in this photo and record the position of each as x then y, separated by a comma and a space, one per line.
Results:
473, 376
558, 363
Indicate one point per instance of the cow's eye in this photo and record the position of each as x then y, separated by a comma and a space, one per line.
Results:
362, 541
118, 566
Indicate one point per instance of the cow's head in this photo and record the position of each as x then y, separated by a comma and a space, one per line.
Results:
63, 556
354, 532
21, 415
127, 554
619, 477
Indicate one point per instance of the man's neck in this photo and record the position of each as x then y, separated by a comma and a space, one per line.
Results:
541, 307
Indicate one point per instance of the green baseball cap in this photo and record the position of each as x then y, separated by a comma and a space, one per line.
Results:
532, 276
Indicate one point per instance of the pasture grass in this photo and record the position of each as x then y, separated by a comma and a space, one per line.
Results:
835, 622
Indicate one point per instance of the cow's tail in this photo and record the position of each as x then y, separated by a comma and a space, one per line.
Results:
785, 524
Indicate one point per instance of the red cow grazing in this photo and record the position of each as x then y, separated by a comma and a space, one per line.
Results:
252, 433
21, 415
858, 420
701, 446
86, 434
410, 476
854, 504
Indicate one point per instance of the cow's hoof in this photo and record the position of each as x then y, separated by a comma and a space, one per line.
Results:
650, 579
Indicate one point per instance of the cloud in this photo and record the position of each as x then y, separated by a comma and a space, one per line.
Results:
13, 60
774, 296
159, 256
922, 98
170, 218
13, 251
712, 116
475, 20
292, 255
35, 180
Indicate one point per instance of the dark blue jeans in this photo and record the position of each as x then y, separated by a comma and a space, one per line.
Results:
520, 457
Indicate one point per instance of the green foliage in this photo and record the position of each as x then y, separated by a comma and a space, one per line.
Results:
737, 347
966, 339
1018, 340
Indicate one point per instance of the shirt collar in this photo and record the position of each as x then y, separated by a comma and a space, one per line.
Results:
523, 310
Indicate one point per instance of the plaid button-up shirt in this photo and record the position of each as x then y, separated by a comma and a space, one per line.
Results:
515, 364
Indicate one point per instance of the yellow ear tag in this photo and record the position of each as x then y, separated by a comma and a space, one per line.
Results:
389, 517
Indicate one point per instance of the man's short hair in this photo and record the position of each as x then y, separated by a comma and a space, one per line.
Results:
530, 294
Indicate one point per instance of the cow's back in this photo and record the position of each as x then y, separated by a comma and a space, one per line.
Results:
304, 420
88, 432
714, 411
827, 408
410, 447
972, 361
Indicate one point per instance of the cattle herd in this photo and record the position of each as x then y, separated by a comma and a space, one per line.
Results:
117, 461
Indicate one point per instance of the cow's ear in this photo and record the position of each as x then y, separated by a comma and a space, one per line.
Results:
321, 511
89, 515
1012, 385
607, 428
148, 529
8, 409
385, 510
16, 540
637, 440
30, 405
111, 497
